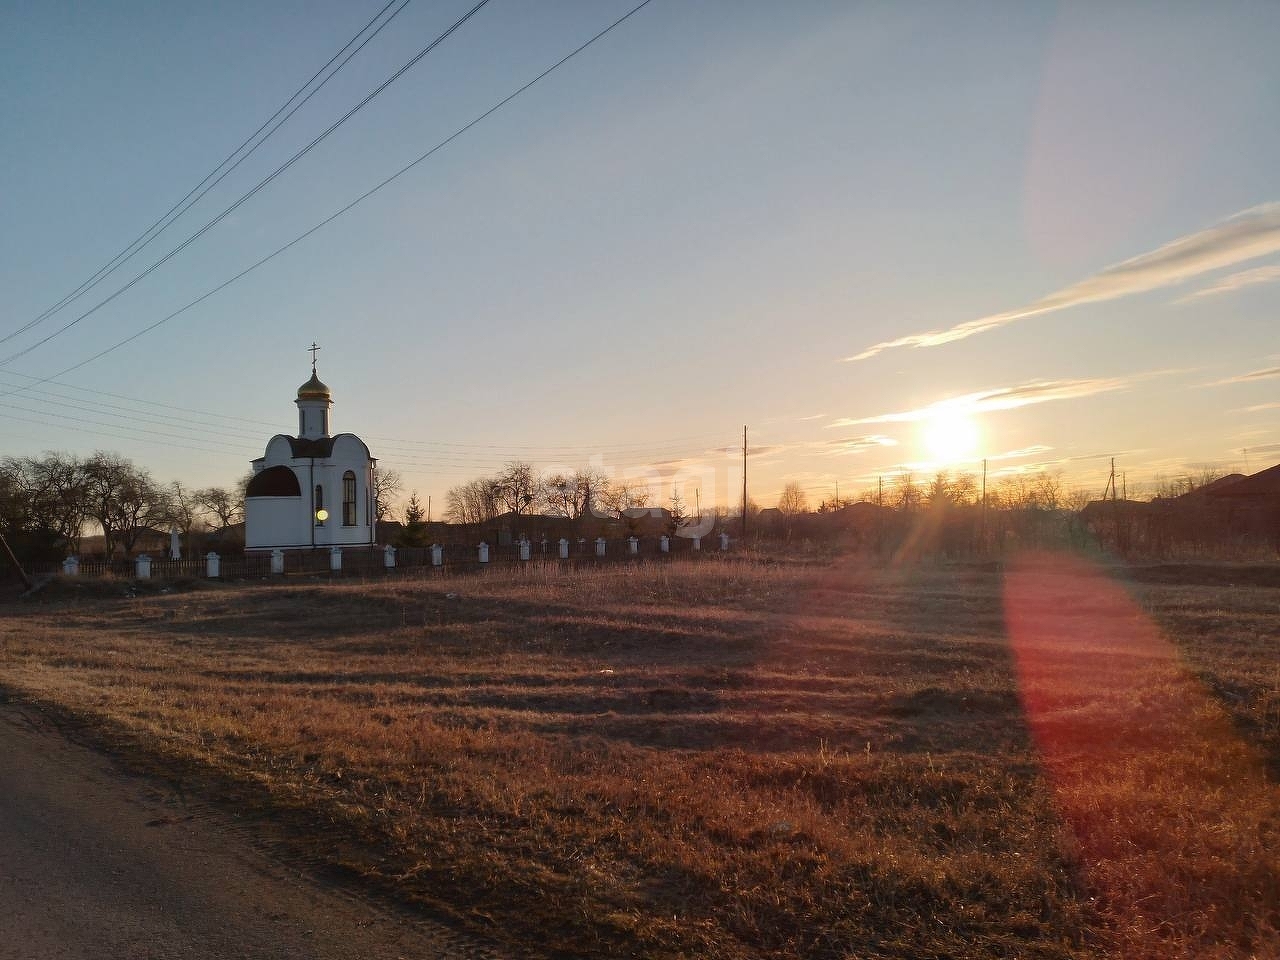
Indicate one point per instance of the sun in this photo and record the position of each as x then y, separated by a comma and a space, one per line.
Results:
950, 436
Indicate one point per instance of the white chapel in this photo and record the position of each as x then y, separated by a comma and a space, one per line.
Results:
312, 490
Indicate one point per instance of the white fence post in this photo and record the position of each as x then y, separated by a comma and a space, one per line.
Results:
697, 543
142, 566
71, 567
277, 561
633, 545
484, 552
600, 544
437, 555
724, 541
335, 558
665, 544
212, 565
564, 549
525, 547
389, 557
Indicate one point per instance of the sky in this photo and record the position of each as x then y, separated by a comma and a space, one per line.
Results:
884, 237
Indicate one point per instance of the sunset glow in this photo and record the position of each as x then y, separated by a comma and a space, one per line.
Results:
1049, 266
951, 436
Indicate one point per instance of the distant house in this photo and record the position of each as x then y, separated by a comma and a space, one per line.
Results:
1254, 502
1260, 487
770, 518
146, 540
645, 522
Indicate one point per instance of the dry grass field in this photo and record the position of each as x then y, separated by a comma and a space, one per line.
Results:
729, 759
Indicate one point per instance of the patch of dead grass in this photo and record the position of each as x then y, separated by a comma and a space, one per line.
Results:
719, 759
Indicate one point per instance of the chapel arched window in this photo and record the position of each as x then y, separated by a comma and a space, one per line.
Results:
348, 499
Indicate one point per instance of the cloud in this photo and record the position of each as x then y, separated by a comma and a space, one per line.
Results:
1267, 374
1236, 281
1248, 235
1259, 407
852, 445
1032, 451
998, 398
815, 416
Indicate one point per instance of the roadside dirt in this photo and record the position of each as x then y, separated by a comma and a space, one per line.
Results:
96, 861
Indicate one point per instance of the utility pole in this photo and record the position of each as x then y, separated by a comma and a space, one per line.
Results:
428, 508
1115, 506
837, 494
697, 500
744, 482
8, 551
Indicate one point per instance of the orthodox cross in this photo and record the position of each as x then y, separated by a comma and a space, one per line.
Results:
313, 349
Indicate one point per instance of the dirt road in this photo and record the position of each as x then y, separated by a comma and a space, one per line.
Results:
98, 864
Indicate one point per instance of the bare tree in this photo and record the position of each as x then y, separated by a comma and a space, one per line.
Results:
794, 501
1047, 488
518, 488
907, 494
185, 509
1015, 492
124, 500
1205, 475
387, 485
475, 502
224, 505
43, 499
571, 495
625, 494
965, 488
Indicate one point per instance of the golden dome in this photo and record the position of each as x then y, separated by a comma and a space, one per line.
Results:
313, 389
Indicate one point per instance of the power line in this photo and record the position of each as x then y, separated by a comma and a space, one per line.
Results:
449, 464
168, 444
112, 426
360, 199
233, 207
477, 452
158, 419
398, 449
36, 381
181, 207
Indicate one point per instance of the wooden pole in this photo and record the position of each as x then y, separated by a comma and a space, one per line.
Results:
744, 482
8, 551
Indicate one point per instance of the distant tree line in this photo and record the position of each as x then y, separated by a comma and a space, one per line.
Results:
48, 503
946, 514
520, 489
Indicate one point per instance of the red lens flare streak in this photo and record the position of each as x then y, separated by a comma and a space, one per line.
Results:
1171, 820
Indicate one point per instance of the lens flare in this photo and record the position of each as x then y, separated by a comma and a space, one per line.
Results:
1146, 770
